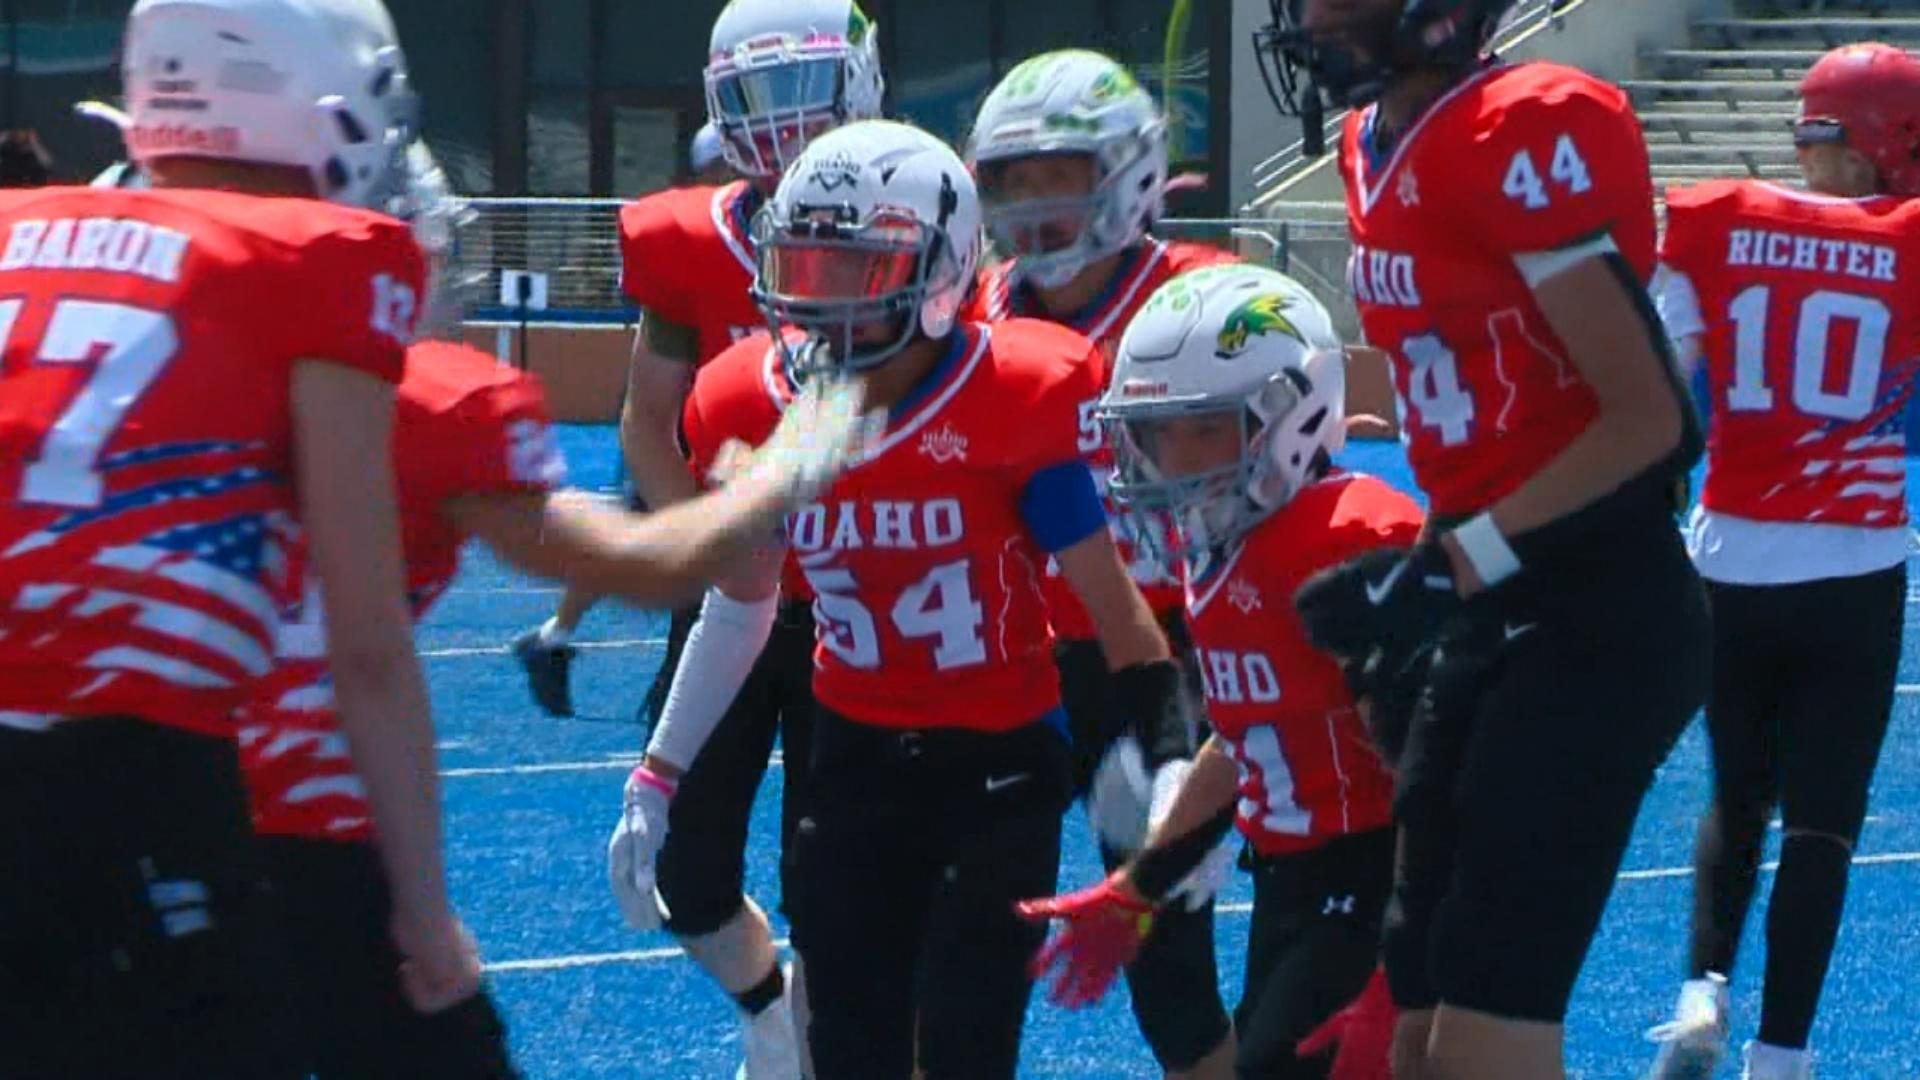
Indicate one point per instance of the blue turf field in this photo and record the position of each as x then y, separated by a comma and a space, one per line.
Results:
530, 802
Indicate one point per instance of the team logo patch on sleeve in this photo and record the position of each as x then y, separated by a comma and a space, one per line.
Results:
1265, 314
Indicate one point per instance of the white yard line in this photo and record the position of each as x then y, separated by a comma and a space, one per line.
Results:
647, 956
502, 650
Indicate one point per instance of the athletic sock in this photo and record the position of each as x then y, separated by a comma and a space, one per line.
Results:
763, 993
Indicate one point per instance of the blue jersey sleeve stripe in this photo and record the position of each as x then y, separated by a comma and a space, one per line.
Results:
1061, 506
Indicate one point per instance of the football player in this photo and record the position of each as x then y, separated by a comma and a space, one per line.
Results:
1225, 409
186, 372
1503, 231
780, 73
939, 754
1071, 157
1794, 301
474, 458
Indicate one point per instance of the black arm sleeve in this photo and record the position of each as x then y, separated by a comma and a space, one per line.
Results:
1157, 870
1156, 711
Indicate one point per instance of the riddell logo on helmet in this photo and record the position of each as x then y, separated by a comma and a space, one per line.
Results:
1137, 388
151, 138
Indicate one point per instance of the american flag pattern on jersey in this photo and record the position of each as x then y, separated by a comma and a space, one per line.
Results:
300, 775
1811, 342
173, 579
1104, 322
1308, 770
464, 425
146, 433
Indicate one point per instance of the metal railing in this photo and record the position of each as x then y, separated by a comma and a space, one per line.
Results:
1273, 176
576, 243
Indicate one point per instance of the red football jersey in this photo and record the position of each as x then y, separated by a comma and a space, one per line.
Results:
1308, 770
1145, 269
926, 578
146, 443
1811, 342
1519, 159
465, 425
687, 254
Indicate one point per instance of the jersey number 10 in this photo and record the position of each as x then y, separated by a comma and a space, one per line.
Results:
1812, 340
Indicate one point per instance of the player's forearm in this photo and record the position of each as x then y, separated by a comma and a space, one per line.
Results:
1611, 343
1127, 630
659, 377
1212, 786
652, 451
655, 560
383, 708
720, 653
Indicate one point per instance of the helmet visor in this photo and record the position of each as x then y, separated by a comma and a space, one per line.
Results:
856, 286
792, 86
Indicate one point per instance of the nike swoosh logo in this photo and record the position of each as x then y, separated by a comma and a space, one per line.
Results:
1519, 631
1377, 590
997, 783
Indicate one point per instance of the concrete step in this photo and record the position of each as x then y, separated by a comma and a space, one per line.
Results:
1723, 140
1743, 90
1716, 123
1824, 31
1681, 153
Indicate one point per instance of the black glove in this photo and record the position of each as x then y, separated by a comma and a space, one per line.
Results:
1389, 599
1392, 683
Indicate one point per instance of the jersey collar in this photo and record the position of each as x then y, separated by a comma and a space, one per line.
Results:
1093, 317
1372, 175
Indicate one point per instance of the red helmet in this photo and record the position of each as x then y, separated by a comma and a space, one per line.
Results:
1867, 97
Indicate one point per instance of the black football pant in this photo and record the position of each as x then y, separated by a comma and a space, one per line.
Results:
702, 867
346, 1016
904, 875
1803, 685
1174, 984
132, 938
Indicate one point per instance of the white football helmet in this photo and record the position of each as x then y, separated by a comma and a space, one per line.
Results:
1244, 341
781, 72
1071, 102
317, 84
870, 241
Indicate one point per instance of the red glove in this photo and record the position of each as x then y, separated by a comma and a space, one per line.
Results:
1360, 1035
1102, 929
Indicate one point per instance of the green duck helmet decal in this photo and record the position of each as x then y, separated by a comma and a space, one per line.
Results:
1236, 341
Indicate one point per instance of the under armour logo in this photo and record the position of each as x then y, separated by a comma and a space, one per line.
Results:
1341, 904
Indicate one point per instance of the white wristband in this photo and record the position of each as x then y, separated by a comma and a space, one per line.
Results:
1489, 553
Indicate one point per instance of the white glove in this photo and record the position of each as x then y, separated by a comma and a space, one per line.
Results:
1166, 787
1197, 889
821, 432
1121, 797
636, 842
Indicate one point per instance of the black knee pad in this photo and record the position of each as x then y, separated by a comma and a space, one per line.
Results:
702, 885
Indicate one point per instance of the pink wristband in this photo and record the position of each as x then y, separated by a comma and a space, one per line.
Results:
648, 778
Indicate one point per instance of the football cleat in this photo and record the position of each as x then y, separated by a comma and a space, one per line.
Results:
548, 668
